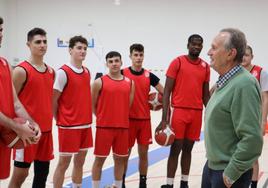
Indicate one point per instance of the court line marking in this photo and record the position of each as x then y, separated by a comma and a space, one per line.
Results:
154, 156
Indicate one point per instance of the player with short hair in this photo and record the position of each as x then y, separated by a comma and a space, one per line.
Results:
112, 96
11, 107
262, 77
73, 113
140, 120
188, 81
33, 81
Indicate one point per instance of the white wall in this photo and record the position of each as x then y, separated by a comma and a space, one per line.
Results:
163, 26
3, 14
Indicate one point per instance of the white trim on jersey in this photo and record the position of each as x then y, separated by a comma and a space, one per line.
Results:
75, 127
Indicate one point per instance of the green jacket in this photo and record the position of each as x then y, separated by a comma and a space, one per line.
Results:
233, 136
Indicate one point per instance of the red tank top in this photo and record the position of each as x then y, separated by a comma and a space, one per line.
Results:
256, 72
189, 79
6, 91
74, 105
37, 93
113, 103
140, 108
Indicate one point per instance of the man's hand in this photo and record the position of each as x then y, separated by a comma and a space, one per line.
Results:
227, 181
25, 132
162, 125
37, 132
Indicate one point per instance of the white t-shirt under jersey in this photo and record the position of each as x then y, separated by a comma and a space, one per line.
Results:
61, 78
59, 84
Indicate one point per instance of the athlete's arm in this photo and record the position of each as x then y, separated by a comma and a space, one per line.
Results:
95, 91
167, 91
159, 88
25, 132
206, 93
56, 96
59, 84
155, 82
132, 93
19, 78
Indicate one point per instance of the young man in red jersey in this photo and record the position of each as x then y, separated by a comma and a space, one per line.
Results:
11, 107
33, 81
73, 113
140, 120
188, 81
262, 77
112, 96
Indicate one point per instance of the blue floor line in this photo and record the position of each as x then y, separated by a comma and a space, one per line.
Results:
107, 175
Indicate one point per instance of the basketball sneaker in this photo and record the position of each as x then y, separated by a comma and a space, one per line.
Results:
166, 186
184, 184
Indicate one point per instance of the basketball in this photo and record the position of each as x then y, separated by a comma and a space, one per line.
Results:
165, 137
10, 138
155, 101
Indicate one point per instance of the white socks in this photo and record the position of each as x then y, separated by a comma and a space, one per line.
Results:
184, 177
75, 185
170, 181
95, 184
118, 184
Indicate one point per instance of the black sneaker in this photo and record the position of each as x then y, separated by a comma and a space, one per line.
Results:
142, 185
184, 184
166, 186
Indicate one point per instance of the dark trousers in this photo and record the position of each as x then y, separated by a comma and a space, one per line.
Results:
213, 179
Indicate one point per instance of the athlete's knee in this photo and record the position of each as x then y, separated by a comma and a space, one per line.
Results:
99, 161
175, 148
21, 171
143, 152
79, 162
187, 146
63, 165
79, 159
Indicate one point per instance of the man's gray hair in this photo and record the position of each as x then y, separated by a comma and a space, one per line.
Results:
237, 41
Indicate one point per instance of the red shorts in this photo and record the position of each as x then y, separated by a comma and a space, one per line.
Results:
186, 123
71, 141
5, 155
107, 138
140, 130
42, 151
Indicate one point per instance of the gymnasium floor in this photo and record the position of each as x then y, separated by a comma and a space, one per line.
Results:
157, 167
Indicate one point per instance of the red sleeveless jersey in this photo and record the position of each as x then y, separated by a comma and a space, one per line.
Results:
37, 94
113, 103
256, 72
6, 90
140, 108
189, 79
74, 105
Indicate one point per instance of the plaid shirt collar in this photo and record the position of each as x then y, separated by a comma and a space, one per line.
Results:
227, 76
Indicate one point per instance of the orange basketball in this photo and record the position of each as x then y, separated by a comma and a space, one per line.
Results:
164, 137
10, 138
155, 101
